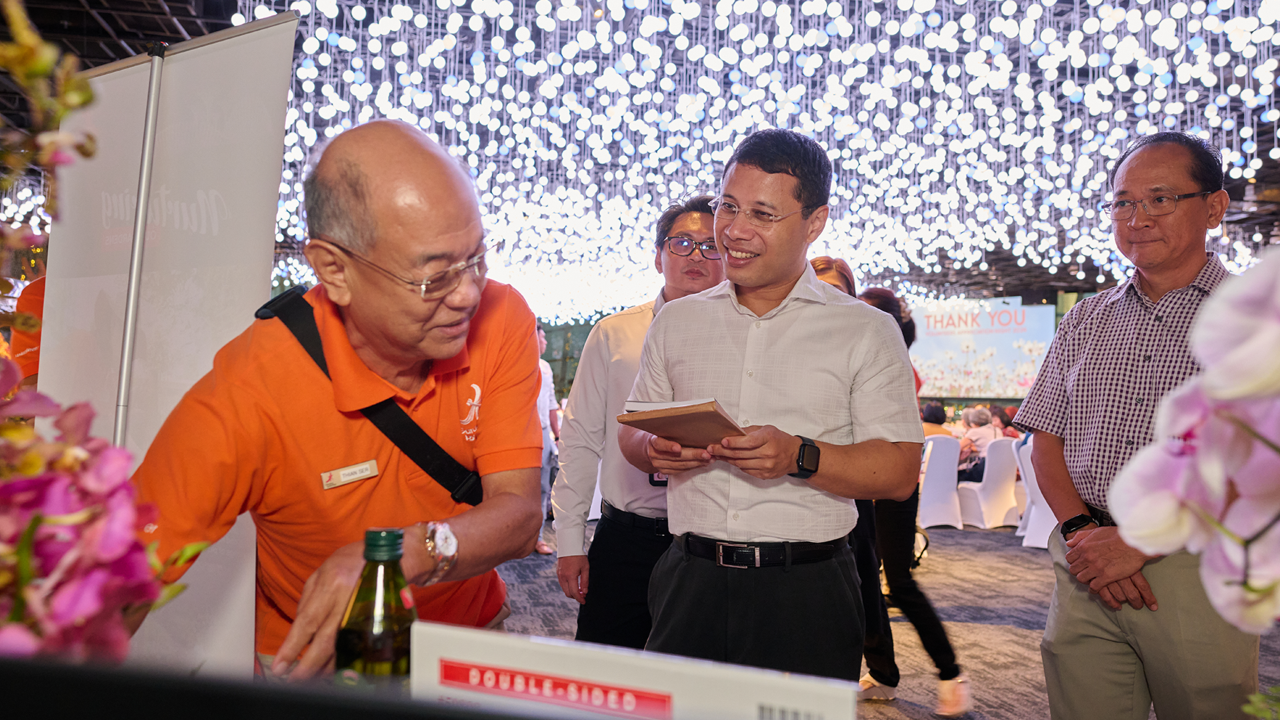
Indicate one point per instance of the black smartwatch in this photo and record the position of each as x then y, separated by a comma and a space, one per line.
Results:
1078, 522
807, 460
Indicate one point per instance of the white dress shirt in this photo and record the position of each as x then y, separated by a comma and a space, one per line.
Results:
547, 395
822, 364
589, 432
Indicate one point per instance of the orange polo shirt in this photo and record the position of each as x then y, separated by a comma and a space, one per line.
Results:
257, 433
26, 346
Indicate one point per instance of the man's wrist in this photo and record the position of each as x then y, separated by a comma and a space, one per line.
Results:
439, 547
416, 563
805, 458
1073, 525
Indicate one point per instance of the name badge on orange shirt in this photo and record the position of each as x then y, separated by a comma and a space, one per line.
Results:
349, 474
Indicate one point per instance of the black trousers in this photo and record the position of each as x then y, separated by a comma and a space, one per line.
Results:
896, 535
802, 618
621, 560
879, 636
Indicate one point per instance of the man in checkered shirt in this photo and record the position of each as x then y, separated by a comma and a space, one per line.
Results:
1126, 630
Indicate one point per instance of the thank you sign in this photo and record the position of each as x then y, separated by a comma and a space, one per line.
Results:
989, 348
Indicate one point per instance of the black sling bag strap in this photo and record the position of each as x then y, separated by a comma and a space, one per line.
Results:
463, 484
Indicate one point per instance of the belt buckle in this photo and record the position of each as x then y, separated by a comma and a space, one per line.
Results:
720, 546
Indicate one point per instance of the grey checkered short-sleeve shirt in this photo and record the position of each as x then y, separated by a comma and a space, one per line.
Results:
1114, 357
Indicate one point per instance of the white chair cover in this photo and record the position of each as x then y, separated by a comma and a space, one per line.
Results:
939, 504
1041, 521
1021, 493
991, 503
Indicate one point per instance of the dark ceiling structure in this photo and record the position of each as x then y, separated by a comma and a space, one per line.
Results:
103, 31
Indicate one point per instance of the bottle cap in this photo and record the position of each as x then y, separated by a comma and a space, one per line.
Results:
383, 544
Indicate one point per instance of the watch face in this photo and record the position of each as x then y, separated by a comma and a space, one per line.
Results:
446, 542
809, 458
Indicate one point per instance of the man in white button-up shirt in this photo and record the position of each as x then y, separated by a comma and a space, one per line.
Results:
632, 532
760, 572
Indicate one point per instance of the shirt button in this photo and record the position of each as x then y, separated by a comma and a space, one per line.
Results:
1140, 401
1159, 318
1146, 357
1129, 443
735, 516
745, 422
751, 373
757, 323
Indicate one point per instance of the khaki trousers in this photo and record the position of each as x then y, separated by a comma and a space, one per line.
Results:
1102, 664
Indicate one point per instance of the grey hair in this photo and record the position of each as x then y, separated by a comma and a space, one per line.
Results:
977, 416
337, 206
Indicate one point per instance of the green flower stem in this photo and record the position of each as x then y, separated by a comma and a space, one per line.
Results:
24, 571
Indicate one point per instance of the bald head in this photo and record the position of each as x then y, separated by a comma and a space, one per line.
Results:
376, 175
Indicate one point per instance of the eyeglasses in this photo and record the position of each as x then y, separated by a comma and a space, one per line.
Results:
727, 210
436, 286
684, 247
1156, 206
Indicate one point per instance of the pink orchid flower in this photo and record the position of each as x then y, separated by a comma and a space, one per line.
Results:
1252, 608
1237, 334
1218, 446
1155, 499
26, 403
79, 598
18, 641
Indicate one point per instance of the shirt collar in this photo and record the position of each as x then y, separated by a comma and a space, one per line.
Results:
355, 386
659, 301
1213, 273
807, 288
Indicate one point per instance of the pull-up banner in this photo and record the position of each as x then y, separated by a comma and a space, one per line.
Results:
206, 266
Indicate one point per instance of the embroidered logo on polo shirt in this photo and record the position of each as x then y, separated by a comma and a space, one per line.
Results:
473, 414
349, 474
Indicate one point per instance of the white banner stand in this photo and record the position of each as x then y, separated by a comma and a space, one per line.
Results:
200, 268
556, 679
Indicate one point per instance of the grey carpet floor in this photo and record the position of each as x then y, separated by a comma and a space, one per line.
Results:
991, 593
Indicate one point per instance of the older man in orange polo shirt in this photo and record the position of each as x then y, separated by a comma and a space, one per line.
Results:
403, 311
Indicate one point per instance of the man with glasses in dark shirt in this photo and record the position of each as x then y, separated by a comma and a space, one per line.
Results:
632, 532
1126, 630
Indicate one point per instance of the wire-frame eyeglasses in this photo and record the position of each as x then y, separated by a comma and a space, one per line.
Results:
436, 286
684, 247
1156, 206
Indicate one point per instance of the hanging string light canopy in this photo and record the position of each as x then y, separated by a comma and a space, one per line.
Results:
956, 129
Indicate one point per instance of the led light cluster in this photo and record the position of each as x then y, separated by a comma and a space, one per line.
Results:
954, 127
23, 204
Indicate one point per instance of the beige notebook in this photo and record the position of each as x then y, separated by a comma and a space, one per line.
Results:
698, 423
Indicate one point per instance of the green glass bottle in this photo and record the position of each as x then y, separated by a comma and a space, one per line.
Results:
372, 647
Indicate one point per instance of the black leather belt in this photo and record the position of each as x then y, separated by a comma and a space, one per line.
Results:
1102, 516
757, 555
657, 526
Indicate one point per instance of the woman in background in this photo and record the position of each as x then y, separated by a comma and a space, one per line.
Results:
1000, 420
973, 446
896, 536
933, 417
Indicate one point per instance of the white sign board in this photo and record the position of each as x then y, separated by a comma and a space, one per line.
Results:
545, 678
210, 237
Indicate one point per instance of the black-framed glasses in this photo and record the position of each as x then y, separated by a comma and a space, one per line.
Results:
1156, 206
436, 286
684, 247
727, 210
